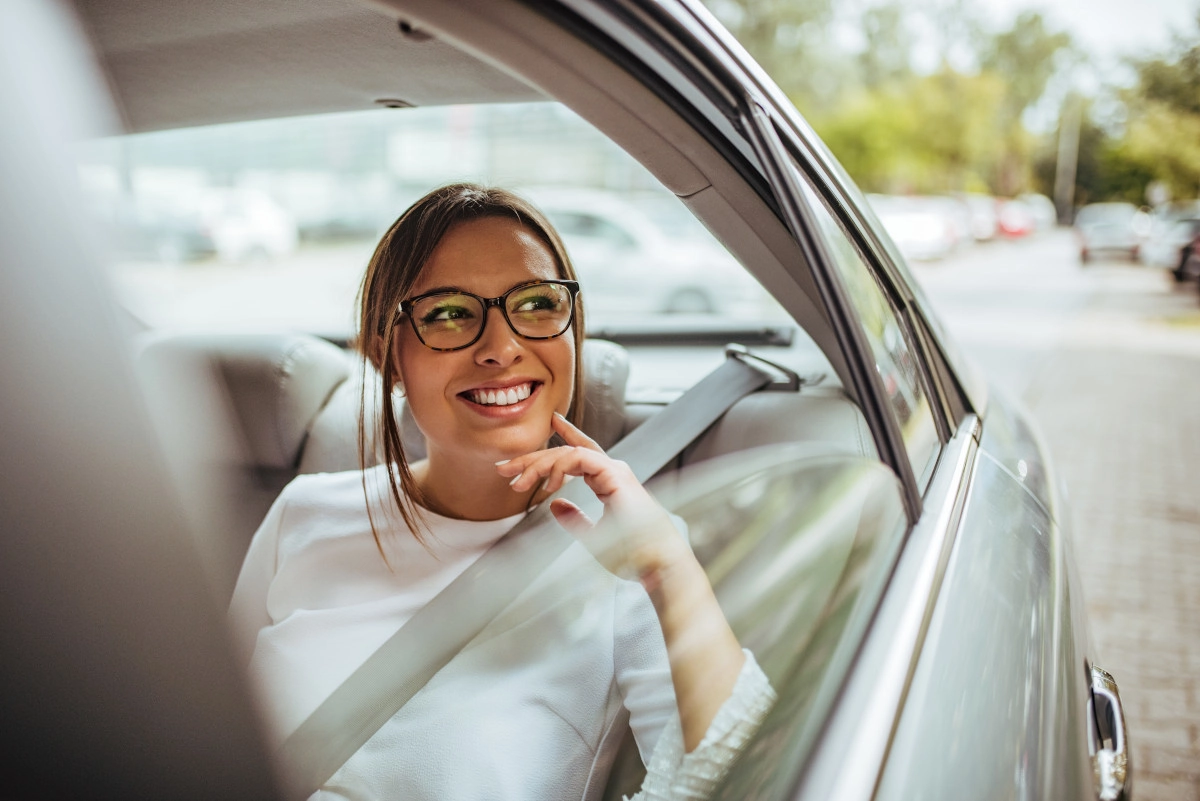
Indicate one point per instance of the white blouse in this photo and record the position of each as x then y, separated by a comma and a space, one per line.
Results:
528, 710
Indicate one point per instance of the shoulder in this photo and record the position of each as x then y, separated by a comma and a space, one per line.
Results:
329, 505
332, 491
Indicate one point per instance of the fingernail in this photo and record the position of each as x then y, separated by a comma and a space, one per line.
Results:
515, 480
559, 416
503, 462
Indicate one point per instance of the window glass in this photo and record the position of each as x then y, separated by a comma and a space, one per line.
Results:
895, 357
272, 222
268, 225
798, 547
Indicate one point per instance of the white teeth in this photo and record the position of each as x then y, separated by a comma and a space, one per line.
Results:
503, 397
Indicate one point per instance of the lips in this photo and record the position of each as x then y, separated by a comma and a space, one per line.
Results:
500, 396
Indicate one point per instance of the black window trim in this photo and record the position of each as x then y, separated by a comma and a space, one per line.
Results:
776, 161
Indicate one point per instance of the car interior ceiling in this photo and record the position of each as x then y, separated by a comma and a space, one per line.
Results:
177, 63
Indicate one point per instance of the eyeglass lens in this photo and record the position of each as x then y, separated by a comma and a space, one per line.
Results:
451, 320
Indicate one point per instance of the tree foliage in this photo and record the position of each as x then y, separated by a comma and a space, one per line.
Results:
960, 125
929, 133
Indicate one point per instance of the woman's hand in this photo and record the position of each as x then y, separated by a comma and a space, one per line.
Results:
635, 538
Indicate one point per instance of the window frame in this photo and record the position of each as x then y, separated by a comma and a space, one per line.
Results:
777, 160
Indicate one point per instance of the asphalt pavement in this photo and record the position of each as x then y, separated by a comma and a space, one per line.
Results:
1107, 359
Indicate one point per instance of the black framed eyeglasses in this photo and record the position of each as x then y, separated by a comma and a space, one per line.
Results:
452, 320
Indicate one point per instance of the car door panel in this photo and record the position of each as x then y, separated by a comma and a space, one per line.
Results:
998, 698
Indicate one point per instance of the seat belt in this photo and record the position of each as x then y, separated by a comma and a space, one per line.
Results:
371, 695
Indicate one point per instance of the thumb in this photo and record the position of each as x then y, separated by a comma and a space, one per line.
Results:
570, 517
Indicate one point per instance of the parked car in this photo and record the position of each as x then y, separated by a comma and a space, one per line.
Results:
247, 225
924, 229
883, 529
1172, 227
1015, 219
1042, 208
140, 230
985, 219
1109, 229
614, 245
1188, 267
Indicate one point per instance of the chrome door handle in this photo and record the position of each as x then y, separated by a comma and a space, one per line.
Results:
1106, 740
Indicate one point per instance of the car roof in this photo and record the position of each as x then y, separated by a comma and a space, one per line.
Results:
179, 63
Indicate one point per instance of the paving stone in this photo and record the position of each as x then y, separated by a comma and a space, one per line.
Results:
1126, 440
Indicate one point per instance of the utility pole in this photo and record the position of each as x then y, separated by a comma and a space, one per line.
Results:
1068, 157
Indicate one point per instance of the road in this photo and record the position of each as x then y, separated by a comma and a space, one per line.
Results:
1107, 359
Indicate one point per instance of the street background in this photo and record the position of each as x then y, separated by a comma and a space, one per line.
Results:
1106, 357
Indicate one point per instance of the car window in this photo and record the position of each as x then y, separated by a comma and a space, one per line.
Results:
896, 358
578, 228
798, 545
268, 225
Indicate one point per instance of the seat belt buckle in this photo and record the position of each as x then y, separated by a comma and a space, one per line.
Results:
791, 380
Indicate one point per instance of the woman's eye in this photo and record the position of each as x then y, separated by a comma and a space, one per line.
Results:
445, 313
535, 303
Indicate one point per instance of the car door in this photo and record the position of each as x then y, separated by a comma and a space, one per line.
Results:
998, 679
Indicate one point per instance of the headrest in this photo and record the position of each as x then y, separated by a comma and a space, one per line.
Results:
269, 387
333, 439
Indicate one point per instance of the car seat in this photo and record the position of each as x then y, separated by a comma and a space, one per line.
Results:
243, 414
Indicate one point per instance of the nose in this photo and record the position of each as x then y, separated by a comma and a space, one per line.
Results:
499, 345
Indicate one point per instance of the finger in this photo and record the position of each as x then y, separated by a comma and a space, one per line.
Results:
528, 469
572, 435
554, 482
602, 474
571, 517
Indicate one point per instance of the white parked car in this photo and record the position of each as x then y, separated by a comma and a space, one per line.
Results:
246, 225
631, 262
922, 228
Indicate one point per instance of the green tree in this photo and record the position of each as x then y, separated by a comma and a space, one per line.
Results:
931, 133
790, 39
1162, 137
1026, 56
887, 57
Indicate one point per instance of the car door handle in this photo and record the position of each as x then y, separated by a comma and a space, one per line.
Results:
1106, 727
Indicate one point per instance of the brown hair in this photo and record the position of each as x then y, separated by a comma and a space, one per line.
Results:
391, 274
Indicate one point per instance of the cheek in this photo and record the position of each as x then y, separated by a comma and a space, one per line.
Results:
561, 361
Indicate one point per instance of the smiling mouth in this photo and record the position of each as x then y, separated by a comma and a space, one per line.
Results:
501, 397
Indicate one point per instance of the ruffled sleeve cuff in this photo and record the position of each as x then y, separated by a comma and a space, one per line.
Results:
673, 775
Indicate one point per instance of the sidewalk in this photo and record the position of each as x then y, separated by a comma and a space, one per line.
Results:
1119, 404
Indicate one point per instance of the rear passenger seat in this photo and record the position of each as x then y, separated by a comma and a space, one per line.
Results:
250, 412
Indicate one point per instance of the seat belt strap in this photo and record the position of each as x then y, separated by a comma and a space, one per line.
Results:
371, 695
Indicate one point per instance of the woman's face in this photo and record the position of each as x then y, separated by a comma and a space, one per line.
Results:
486, 257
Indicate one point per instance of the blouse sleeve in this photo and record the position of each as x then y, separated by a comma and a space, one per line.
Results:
672, 775
248, 613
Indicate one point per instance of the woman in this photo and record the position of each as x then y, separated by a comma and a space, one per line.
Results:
532, 707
